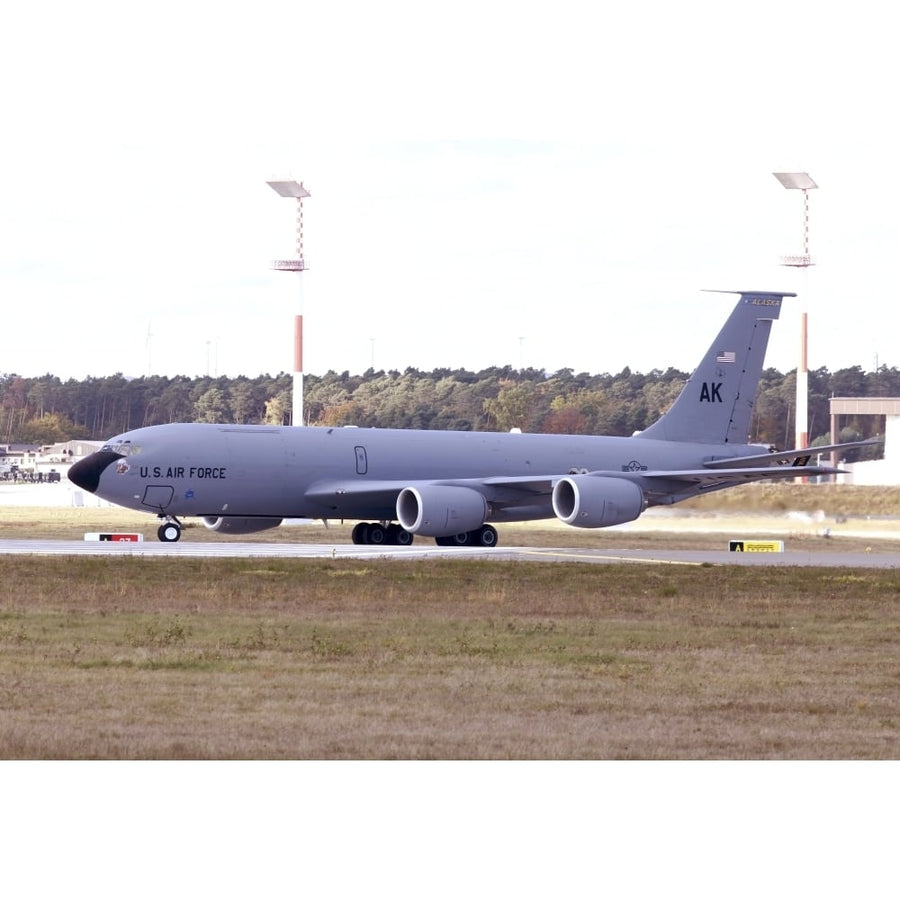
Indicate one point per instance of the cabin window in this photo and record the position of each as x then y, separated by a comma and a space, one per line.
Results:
123, 448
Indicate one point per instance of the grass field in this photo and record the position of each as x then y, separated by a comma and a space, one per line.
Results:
142, 658
264, 658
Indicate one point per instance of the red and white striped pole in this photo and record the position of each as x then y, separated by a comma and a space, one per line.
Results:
298, 265
297, 394
802, 182
802, 418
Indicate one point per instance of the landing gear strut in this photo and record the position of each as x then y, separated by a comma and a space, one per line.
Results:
170, 530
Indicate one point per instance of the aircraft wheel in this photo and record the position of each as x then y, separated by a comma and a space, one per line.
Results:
168, 532
463, 539
399, 536
360, 533
486, 536
377, 534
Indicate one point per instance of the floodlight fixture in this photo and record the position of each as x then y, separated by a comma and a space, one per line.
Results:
289, 188
798, 181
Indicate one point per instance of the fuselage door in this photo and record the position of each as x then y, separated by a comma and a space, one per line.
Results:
362, 464
158, 496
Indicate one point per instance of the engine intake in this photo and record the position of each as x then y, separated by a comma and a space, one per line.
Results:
437, 510
239, 524
593, 501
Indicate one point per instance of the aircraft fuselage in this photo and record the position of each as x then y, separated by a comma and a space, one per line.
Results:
354, 473
451, 485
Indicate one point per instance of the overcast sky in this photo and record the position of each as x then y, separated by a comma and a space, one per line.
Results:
534, 184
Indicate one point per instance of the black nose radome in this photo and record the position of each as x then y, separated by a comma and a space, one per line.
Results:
86, 472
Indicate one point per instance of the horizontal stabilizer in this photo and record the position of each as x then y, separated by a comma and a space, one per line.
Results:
790, 458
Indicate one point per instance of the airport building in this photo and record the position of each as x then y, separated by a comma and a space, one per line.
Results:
31, 462
885, 471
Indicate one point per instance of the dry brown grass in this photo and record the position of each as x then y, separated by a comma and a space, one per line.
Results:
832, 499
144, 658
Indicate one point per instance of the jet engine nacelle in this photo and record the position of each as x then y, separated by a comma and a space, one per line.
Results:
239, 524
593, 501
437, 510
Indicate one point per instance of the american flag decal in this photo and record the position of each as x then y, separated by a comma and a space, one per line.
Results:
725, 356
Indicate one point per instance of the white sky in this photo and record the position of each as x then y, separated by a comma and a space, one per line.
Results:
548, 185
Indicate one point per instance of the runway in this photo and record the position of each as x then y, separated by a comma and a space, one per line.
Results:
666, 519
248, 550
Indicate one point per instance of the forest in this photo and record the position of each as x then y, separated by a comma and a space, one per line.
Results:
47, 410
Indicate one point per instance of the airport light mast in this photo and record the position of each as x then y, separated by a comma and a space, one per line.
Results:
297, 264
800, 181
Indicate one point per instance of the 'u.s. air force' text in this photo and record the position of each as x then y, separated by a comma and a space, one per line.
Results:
183, 472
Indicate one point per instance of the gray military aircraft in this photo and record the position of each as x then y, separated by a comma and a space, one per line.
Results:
451, 485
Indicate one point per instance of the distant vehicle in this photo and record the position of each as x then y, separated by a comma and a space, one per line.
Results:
452, 485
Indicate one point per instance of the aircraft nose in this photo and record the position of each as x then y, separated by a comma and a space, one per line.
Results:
86, 472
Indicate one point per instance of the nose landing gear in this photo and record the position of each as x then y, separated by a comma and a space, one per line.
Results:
170, 530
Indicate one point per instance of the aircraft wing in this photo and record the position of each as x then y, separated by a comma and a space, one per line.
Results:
509, 497
790, 458
338, 493
533, 492
672, 486
381, 493
662, 486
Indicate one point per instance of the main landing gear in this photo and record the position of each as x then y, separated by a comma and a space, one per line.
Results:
170, 530
376, 533
486, 536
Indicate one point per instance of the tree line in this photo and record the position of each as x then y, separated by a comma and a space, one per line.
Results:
47, 410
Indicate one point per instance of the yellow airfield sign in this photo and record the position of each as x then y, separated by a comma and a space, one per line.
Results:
744, 546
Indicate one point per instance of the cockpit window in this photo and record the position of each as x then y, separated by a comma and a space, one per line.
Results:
123, 448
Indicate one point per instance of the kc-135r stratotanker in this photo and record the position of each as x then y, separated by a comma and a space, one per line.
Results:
451, 485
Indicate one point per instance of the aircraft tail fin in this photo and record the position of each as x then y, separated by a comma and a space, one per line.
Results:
716, 404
